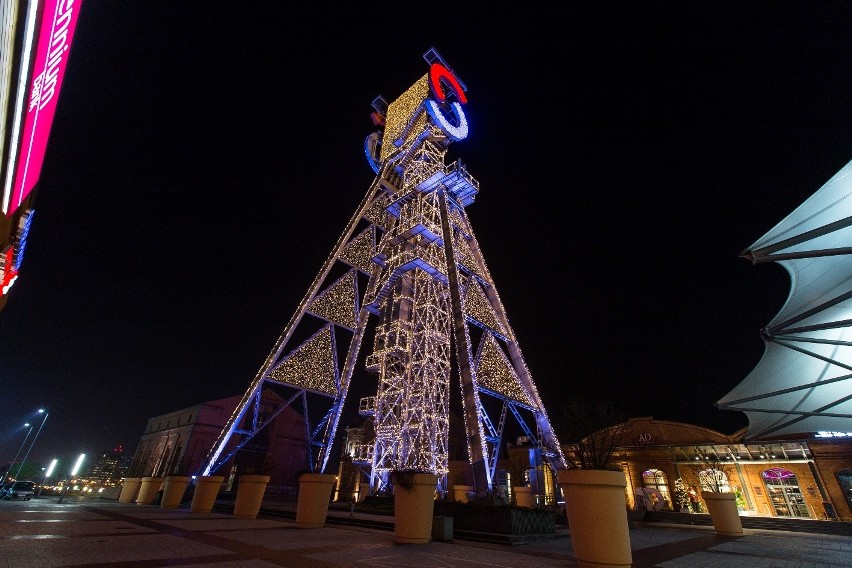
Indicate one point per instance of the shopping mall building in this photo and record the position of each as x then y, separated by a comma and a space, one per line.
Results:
775, 478
805, 478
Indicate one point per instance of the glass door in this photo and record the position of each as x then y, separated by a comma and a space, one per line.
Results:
784, 493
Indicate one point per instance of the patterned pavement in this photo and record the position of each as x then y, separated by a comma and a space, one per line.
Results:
95, 533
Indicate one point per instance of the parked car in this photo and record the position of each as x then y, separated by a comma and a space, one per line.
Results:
18, 490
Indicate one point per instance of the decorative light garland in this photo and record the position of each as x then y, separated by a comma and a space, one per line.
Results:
494, 372
359, 251
312, 365
337, 303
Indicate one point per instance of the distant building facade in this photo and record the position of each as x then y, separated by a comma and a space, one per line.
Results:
177, 443
110, 468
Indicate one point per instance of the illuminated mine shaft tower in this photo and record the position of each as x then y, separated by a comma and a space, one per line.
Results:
427, 294
414, 307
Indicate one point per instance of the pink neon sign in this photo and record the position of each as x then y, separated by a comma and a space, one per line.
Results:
59, 21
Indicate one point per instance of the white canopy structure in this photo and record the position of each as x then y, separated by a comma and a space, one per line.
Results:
803, 382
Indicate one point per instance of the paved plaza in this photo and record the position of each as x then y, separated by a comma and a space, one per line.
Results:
104, 533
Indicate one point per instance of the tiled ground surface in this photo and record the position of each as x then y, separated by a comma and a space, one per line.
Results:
99, 533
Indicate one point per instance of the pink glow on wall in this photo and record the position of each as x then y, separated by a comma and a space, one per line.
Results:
59, 21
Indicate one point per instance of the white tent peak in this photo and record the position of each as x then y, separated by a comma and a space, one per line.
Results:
803, 382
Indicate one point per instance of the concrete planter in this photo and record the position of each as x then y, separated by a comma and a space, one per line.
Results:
250, 490
173, 491
129, 489
460, 492
148, 490
413, 509
314, 495
723, 512
206, 489
597, 517
523, 497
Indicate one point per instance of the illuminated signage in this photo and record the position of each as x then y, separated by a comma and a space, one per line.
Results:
434, 100
21, 239
439, 78
8, 274
59, 21
371, 150
824, 434
11, 256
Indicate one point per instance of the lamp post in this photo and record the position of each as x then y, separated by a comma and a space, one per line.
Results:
46, 413
11, 465
74, 471
47, 474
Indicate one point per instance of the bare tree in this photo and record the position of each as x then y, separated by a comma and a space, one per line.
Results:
592, 430
712, 471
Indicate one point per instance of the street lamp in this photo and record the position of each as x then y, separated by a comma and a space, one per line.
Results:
47, 474
77, 464
74, 471
40, 411
11, 465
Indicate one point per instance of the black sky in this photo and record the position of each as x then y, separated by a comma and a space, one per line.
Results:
206, 157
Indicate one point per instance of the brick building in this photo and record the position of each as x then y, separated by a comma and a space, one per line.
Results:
804, 477
807, 477
177, 443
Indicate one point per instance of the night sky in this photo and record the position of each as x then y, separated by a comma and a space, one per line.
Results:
206, 156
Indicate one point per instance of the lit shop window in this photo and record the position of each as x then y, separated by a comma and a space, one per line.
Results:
656, 479
784, 492
714, 480
844, 478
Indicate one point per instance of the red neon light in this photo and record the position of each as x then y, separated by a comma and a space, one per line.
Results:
438, 72
9, 272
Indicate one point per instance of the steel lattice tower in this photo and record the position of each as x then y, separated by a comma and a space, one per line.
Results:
426, 294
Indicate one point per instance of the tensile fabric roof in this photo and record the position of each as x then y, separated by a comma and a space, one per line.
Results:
803, 382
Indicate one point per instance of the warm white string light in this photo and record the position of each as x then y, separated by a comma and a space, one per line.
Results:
312, 365
337, 303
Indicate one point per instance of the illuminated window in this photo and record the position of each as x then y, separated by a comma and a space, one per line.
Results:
783, 490
658, 480
714, 480
844, 478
